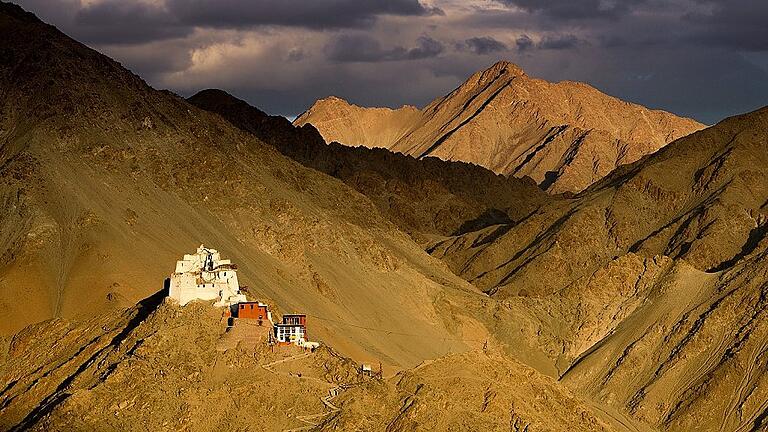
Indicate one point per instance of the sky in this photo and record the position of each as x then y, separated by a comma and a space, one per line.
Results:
706, 59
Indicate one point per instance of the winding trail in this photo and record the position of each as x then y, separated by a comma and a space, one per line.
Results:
268, 366
310, 419
617, 419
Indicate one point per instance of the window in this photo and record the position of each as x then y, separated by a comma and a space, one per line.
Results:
251, 307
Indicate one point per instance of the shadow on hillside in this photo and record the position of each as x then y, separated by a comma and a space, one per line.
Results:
143, 310
487, 218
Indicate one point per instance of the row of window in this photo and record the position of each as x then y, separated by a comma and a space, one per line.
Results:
210, 285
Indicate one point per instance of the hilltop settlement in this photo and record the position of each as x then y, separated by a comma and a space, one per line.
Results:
205, 276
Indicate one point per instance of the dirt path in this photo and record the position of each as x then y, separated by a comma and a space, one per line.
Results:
268, 366
310, 419
620, 421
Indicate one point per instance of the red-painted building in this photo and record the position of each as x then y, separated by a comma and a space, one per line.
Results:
295, 319
253, 310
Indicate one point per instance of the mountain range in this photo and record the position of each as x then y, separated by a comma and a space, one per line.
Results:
629, 296
107, 182
428, 198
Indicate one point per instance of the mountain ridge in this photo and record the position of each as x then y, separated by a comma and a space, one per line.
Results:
706, 212
107, 182
639, 303
564, 135
426, 198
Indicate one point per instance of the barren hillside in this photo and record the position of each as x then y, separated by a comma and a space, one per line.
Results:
158, 366
470, 391
425, 198
648, 288
564, 135
107, 182
164, 367
637, 304
702, 199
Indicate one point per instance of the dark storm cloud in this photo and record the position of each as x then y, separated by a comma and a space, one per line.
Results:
700, 58
122, 22
426, 47
575, 9
131, 22
363, 48
482, 45
740, 24
559, 42
524, 42
111, 21
317, 14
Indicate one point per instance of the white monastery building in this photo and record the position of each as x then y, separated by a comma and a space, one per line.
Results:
205, 276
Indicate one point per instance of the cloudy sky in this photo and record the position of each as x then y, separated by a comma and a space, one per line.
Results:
707, 59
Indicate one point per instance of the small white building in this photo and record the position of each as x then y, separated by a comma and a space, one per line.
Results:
205, 276
290, 333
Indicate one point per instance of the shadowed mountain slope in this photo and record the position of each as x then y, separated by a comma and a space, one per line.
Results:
648, 289
107, 182
702, 198
644, 295
564, 135
424, 197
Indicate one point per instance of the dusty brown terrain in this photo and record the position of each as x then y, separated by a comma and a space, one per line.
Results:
564, 135
160, 367
107, 182
425, 198
163, 367
635, 305
470, 391
648, 288
690, 356
702, 199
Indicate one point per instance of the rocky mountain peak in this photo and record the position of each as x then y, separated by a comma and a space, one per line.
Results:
564, 135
